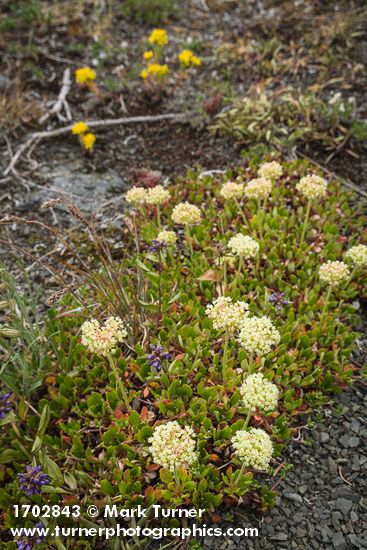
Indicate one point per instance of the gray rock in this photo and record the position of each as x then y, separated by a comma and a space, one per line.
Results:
295, 497
339, 542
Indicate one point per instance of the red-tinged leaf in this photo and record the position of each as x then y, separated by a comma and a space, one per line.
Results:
118, 414
146, 392
144, 414
214, 458
179, 356
153, 467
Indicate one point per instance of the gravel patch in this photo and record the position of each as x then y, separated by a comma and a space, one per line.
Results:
322, 504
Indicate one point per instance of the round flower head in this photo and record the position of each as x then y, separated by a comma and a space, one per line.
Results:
79, 128
168, 237
28, 542
103, 340
85, 75
187, 58
32, 480
357, 255
259, 188
334, 273
258, 393
186, 214
231, 190
157, 195
136, 195
158, 37
225, 314
271, 170
148, 54
253, 447
244, 246
258, 335
173, 446
88, 141
312, 187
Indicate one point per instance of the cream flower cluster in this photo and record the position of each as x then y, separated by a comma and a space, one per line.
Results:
258, 335
136, 195
173, 446
258, 188
271, 170
168, 237
244, 246
258, 392
186, 214
231, 190
357, 255
225, 314
103, 340
157, 195
312, 187
253, 447
334, 273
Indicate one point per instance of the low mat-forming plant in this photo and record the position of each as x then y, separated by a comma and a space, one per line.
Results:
187, 392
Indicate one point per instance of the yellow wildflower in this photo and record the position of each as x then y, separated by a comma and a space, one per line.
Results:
148, 55
187, 58
79, 128
156, 69
196, 60
144, 74
88, 140
158, 37
85, 75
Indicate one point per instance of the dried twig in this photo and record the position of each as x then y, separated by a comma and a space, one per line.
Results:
61, 102
92, 124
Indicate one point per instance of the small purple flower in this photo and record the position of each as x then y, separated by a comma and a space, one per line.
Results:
278, 299
32, 480
157, 246
26, 543
5, 404
157, 355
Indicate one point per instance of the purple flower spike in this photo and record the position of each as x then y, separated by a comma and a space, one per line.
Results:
27, 543
157, 246
5, 405
32, 480
277, 298
157, 355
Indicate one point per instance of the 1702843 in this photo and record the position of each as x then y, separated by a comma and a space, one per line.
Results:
45, 511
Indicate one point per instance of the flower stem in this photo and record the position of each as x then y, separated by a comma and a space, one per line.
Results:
118, 381
158, 217
326, 302
308, 210
248, 417
189, 239
242, 214
240, 474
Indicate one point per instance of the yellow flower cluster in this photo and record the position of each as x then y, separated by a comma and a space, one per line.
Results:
226, 315
244, 246
253, 447
334, 273
148, 55
87, 139
158, 37
187, 58
258, 392
103, 340
357, 255
312, 187
155, 69
186, 214
173, 446
168, 237
157, 195
79, 128
270, 170
85, 75
258, 188
258, 335
231, 190
136, 195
